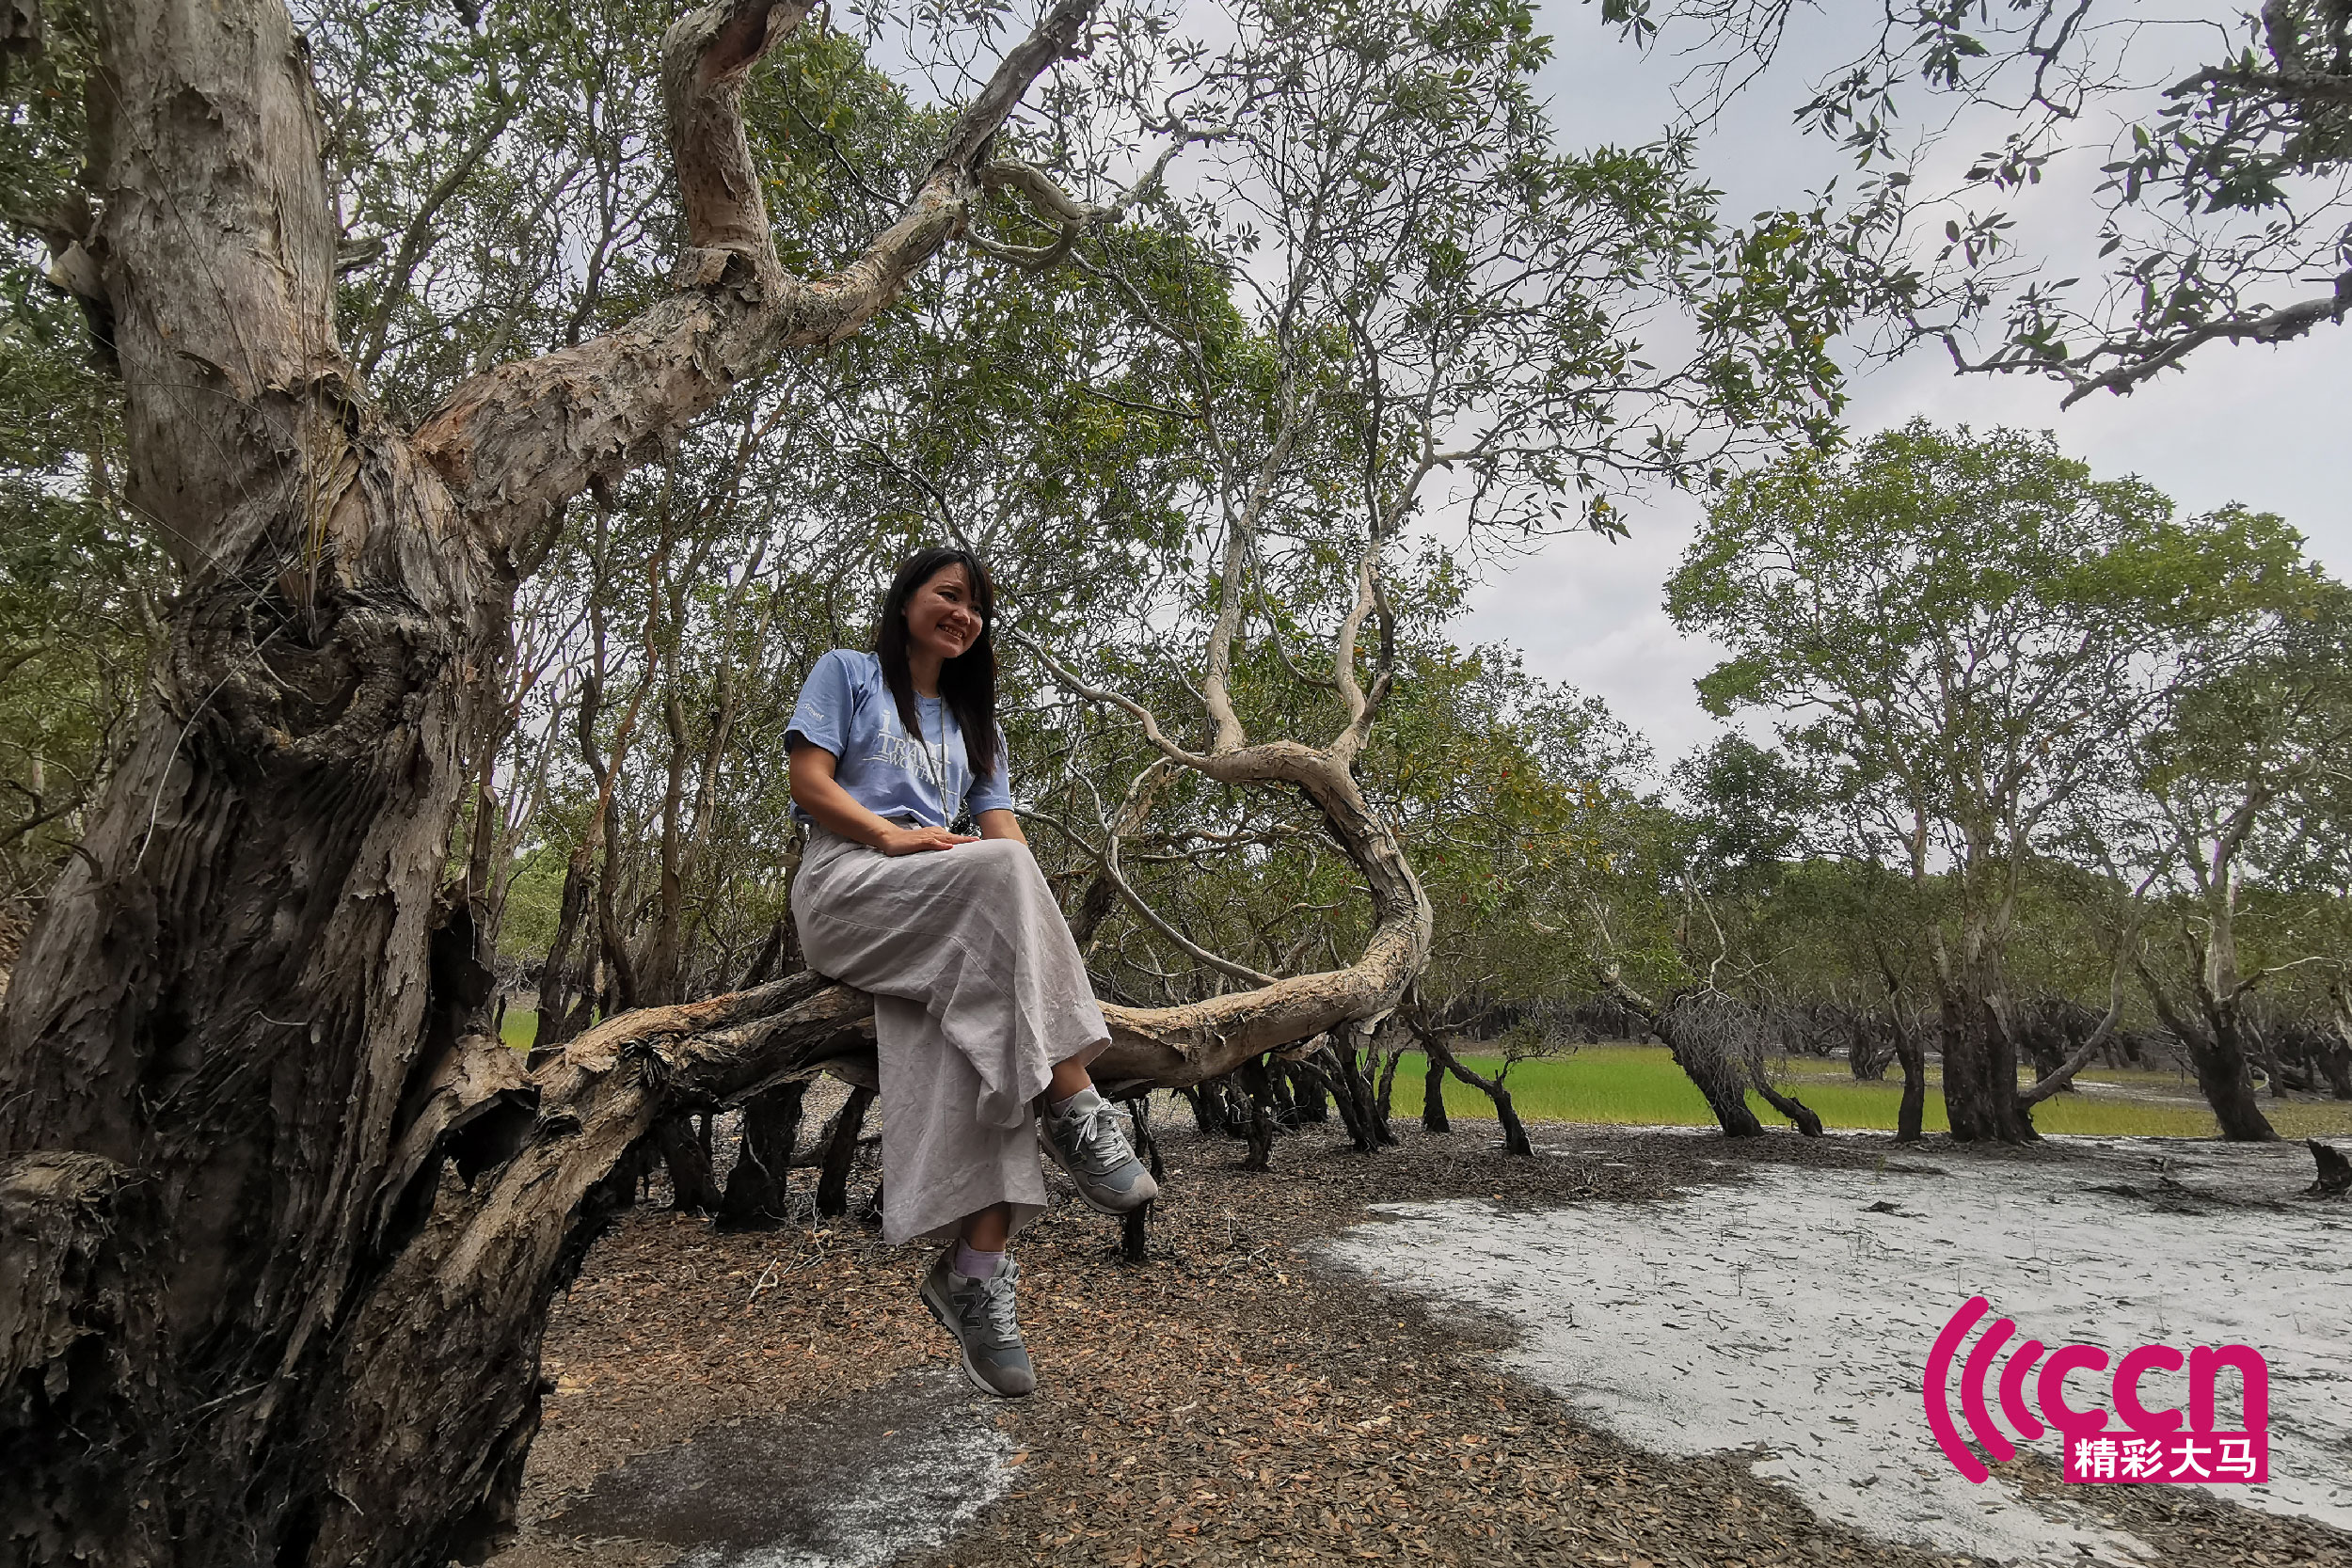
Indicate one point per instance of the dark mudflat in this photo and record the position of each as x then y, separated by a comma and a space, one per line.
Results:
887, 1471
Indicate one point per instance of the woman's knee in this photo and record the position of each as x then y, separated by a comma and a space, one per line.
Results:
999, 857
1003, 866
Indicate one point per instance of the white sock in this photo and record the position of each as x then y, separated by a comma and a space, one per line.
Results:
1085, 1099
974, 1264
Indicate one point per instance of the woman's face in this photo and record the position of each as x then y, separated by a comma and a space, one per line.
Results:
941, 620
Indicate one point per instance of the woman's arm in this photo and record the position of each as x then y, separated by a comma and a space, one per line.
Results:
815, 791
1000, 823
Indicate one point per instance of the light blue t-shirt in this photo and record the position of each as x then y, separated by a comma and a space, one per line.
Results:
846, 708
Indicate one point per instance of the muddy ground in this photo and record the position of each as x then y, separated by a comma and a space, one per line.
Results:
779, 1399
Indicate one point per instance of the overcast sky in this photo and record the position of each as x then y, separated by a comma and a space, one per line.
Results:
2264, 426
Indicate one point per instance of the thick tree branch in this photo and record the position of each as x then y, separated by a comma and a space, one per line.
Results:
517, 441
2089, 1048
207, 143
2278, 326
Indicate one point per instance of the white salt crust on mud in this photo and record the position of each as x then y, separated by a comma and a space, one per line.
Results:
1781, 1315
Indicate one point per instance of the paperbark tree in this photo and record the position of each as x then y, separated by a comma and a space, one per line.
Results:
1398, 299
2222, 791
1963, 633
239, 1327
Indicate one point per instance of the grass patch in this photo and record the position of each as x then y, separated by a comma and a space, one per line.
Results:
1639, 1085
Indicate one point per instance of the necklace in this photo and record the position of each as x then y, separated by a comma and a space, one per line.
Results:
936, 767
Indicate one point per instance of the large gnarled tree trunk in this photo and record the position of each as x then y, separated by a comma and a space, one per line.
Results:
234, 1326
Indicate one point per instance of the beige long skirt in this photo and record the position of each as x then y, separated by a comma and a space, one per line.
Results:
979, 990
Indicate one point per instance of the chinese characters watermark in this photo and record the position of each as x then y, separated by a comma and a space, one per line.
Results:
2162, 1445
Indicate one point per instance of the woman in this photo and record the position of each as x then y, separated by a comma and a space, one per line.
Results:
983, 1014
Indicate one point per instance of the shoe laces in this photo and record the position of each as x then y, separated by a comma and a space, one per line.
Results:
991, 1305
1095, 1141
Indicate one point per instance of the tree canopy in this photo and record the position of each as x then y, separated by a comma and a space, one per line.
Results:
2213, 138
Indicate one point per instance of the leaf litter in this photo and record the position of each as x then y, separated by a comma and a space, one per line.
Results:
1235, 1398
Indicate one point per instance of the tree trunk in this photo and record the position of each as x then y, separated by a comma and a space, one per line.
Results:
770, 953
2335, 1172
693, 1187
1354, 1090
758, 1188
1278, 1094
1716, 1068
1433, 1117
1135, 1227
2335, 1062
849, 1125
2335, 1051
1867, 1055
2224, 1076
1384, 1101
1506, 1111
245, 1323
2216, 1051
620, 970
1912, 1114
1788, 1106
1306, 1093
2267, 1050
1981, 1097
553, 990
1259, 1127
1344, 1099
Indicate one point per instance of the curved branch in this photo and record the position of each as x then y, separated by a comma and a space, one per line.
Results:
516, 442
1128, 706
1107, 868
1173, 1046
2081, 1058
2279, 325
1051, 202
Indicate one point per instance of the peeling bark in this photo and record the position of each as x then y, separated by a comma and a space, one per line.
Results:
254, 1315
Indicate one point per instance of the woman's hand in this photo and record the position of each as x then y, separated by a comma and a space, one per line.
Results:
914, 841
815, 791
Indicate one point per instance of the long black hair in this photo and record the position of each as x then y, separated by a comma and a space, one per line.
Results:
967, 683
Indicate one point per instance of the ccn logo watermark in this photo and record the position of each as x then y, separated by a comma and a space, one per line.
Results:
2163, 1445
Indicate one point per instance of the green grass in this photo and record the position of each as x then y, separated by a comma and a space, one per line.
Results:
518, 1028
1640, 1084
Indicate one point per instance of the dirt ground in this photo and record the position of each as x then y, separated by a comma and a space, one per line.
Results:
1229, 1400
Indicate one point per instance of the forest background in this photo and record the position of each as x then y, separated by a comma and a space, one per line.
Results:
1071, 411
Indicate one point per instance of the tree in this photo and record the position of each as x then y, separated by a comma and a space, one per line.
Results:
231, 1071
1396, 297
2223, 780
1961, 630
2223, 215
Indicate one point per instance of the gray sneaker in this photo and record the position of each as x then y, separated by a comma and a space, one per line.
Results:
979, 1313
1085, 1140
